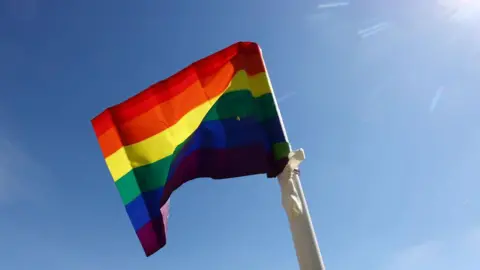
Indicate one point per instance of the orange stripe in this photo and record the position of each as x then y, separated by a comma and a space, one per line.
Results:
243, 56
166, 114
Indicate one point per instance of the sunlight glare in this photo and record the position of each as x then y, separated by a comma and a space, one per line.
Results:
462, 10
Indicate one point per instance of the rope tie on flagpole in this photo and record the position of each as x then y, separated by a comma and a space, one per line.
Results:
290, 199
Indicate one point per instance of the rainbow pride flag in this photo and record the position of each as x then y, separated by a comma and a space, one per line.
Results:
217, 118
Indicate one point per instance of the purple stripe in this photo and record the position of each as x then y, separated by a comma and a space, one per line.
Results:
212, 163
223, 163
152, 236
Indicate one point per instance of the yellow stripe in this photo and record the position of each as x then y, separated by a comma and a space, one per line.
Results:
163, 144
257, 84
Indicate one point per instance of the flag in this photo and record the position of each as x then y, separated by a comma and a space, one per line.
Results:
217, 118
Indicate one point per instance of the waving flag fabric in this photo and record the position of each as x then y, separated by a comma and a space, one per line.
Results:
217, 118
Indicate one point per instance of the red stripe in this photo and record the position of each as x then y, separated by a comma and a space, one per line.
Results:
243, 55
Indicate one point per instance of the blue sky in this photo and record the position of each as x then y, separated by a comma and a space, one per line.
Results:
382, 95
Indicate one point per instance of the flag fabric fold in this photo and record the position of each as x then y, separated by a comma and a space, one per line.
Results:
217, 118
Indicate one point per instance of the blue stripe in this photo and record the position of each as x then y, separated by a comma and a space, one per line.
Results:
144, 208
215, 134
230, 133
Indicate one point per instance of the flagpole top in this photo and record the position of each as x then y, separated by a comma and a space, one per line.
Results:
299, 154
295, 158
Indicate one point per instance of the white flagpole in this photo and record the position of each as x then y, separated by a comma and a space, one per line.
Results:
295, 205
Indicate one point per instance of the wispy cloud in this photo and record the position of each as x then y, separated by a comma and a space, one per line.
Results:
333, 5
286, 97
420, 256
374, 29
458, 252
323, 12
20, 175
435, 99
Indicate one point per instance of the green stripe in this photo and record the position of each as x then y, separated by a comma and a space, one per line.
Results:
230, 105
281, 150
145, 178
242, 104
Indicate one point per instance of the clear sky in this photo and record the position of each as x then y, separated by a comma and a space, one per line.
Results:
382, 95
